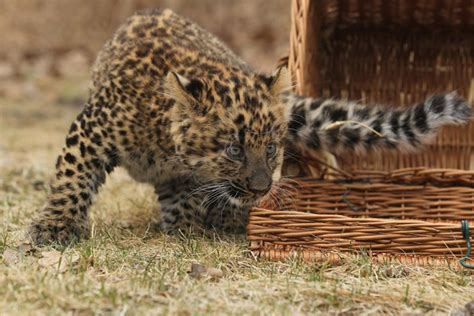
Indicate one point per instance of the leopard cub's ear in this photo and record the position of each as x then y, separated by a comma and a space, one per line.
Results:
185, 91
279, 81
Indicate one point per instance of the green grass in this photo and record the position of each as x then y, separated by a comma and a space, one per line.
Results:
129, 267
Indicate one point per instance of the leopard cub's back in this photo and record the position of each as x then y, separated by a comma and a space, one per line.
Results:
163, 41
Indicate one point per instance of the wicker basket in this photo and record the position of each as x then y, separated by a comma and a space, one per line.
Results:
392, 52
410, 215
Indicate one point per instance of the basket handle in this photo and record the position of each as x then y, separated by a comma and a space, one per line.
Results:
465, 235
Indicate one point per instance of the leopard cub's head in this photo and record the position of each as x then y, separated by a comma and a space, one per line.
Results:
230, 131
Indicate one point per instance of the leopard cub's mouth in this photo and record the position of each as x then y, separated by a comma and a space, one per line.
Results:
241, 197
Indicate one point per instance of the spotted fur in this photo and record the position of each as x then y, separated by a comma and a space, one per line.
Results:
341, 127
176, 108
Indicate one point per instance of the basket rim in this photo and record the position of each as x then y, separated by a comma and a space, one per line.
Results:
413, 175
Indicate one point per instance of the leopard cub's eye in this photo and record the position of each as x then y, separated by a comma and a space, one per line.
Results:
271, 149
234, 151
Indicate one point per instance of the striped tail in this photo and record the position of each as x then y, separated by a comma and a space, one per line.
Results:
340, 126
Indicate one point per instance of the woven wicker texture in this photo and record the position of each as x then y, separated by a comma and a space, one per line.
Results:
410, 215
392, 52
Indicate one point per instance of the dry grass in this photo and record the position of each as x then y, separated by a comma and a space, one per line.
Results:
129, 267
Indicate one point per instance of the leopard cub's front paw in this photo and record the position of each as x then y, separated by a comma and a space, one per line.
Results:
63, 232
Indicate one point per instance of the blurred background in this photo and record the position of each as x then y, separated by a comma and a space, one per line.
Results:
43, 41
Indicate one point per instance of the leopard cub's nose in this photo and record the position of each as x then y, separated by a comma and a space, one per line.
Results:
259, 184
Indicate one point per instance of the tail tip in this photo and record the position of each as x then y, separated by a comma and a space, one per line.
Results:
452, 105
461, 109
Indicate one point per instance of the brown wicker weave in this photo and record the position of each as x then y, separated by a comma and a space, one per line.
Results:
392, 51
410, 215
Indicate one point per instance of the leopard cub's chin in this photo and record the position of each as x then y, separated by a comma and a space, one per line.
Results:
247, 202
